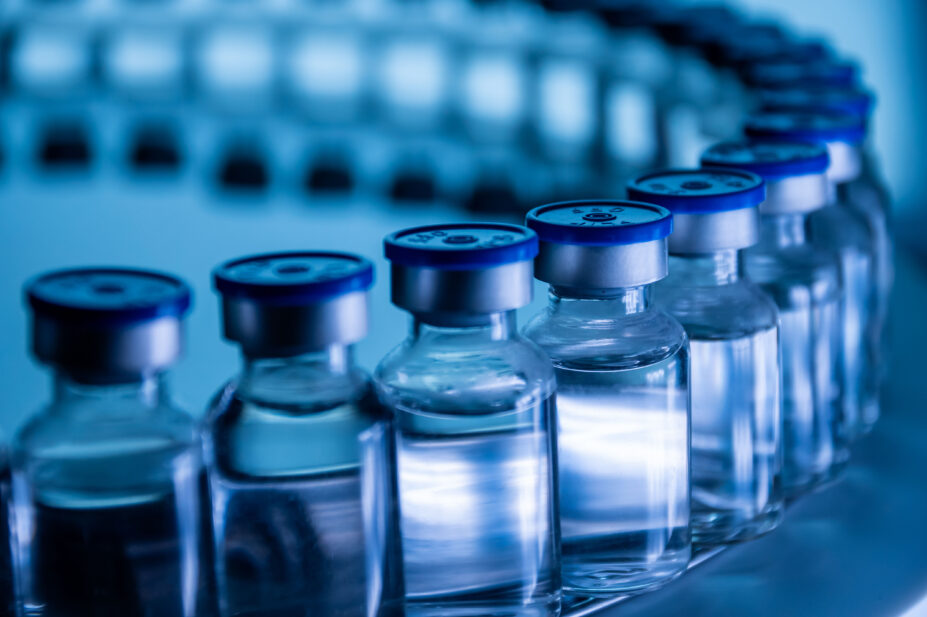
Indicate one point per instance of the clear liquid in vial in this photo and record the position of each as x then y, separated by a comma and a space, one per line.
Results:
624, 476
811, 394
287, 510
844, 230
475, 491
7, 606
116, 555
736, 491
860, 375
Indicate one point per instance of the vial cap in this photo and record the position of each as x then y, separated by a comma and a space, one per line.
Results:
856, 101
293, 277
630, 14
810, 50
461, 246
108, 296
747, 44
600, 222
770, 159
806, 126
822, 73
699, 191
697, 24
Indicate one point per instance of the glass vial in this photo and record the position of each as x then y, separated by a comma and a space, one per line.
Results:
804, 281
733, 329
843, 229
622, 395
107, 478
281, 438
473, 442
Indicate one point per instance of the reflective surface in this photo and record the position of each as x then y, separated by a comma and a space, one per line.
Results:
107, 205
473, 452
623, 412
866, 196
838, 543
281, 442
736, 416
804, 282
107, 488
841, 229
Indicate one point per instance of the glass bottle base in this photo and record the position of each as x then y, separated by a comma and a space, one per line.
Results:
871, 413
481, 607
600, 580
817, 482
716, 528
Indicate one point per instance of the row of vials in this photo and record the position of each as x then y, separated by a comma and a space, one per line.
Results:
712, 347
319, 98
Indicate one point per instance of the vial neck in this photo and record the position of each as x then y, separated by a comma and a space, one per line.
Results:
145, 391
285, 378
841, 193
489, 326
604, 303
707, 269
783, 230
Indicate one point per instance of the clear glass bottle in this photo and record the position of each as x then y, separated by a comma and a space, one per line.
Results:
107, 478
281, 438
864, 191
842, 228
473, 441
733, 329
804, 281
859, 188
622, 395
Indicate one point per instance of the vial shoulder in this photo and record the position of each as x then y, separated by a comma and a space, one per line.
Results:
841, 226
509, 373
803, 263
57, 432
290, 395
637, 339
796, 276
247, 439
735, 310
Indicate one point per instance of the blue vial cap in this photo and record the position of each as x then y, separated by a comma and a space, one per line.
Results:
824, 73
699, 191
770, 159
810, 50
293, 278
697, 25
461, 246
806, 126
108, 296
855, 101
629, 14
600, 222
748, 44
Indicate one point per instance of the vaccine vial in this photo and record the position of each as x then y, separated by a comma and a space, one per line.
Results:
622, 395
733, 329
866, 192
107, 478
473, 426
804, 281
281, 438
843, 228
